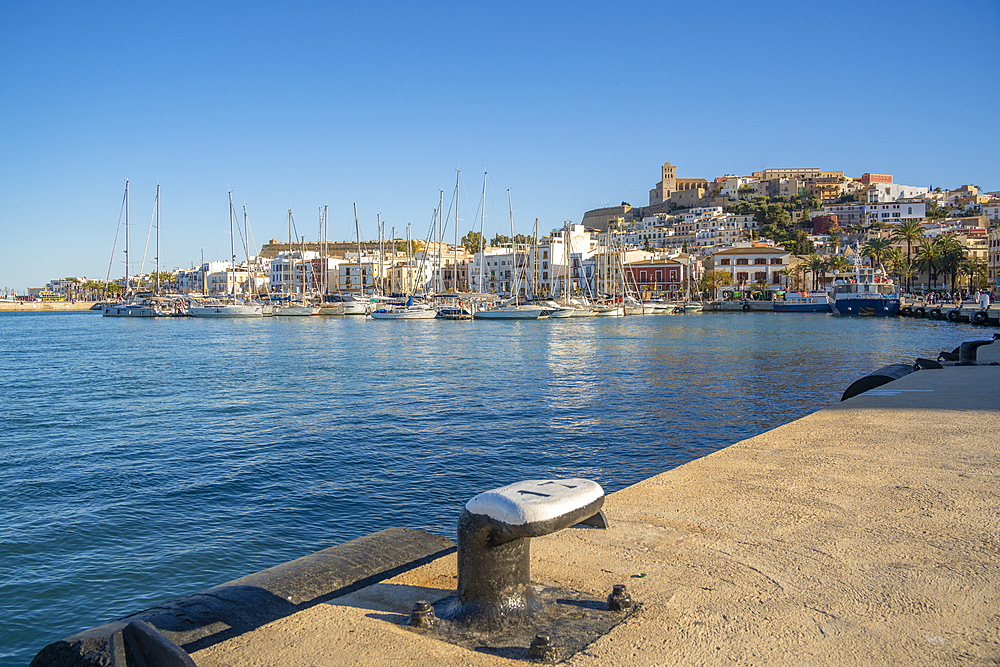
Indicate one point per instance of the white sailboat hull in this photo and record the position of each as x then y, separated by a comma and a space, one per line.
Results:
506, 313
227, 311
132, 310
295, 311
404, 314
614, 311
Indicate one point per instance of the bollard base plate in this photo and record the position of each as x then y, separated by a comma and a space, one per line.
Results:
572, 619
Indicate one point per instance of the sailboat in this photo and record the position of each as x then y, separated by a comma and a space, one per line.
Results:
408, 310
232, 307
290, 308
134, 306
510, 310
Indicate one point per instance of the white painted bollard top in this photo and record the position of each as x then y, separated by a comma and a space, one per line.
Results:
535, 500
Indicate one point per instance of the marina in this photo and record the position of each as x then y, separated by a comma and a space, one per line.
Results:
213, 448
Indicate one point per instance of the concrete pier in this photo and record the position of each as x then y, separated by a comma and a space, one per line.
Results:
867, 533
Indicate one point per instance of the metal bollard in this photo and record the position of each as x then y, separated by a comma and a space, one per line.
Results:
494, 536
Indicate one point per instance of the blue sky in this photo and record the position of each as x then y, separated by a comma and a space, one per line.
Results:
570, 105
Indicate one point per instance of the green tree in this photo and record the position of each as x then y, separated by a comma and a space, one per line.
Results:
876, 249
712, 281
499, 240
816, 267
472, 242
839, 264
952, 253
911, 232
929, 259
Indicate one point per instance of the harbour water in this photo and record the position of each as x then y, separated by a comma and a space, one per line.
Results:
149, 459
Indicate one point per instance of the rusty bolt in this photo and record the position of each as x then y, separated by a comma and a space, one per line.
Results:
422, 615
619, 600
542, 648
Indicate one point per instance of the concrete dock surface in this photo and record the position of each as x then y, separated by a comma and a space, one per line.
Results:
865, 534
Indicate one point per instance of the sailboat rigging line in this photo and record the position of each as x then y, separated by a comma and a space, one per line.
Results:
149, 232
114, 246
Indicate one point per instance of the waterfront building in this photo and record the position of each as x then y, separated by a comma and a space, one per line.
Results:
752, 264
656, 276
295, 272
358, 276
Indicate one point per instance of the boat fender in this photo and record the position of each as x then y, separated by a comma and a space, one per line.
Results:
920, 311
935, 314
880, 377
954, 315
967, 351
980, 317
746, 307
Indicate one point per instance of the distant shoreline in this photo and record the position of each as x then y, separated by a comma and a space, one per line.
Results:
44, 306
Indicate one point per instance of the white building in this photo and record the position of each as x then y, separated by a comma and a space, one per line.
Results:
896, 212
294, 273
890, 192
753, 264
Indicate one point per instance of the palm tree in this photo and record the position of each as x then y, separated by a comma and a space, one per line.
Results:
911, 232
816, 265
894, 256
876, 248
952, 254
839, 264
929, 259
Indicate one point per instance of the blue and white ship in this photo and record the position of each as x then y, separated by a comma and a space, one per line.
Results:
804, 302
868, 292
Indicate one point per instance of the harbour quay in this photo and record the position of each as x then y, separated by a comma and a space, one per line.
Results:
865, 533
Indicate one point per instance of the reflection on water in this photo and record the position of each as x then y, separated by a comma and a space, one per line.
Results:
143, 460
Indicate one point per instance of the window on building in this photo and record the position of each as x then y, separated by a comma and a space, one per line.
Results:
760, 260
775, 260
760, 276
742, 260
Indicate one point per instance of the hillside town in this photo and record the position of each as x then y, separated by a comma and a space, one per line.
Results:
731, 237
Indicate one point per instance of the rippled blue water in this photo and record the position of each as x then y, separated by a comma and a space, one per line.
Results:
144, 460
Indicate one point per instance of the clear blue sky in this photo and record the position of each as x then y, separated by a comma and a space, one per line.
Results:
570, 105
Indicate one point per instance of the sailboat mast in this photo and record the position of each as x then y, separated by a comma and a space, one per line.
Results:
513, 247
482, 227
454, 282
357, 233
232, 244
534, 265
251, 269
326, 269
157, 239
288, 282
381, 250
440, 280
126, 239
